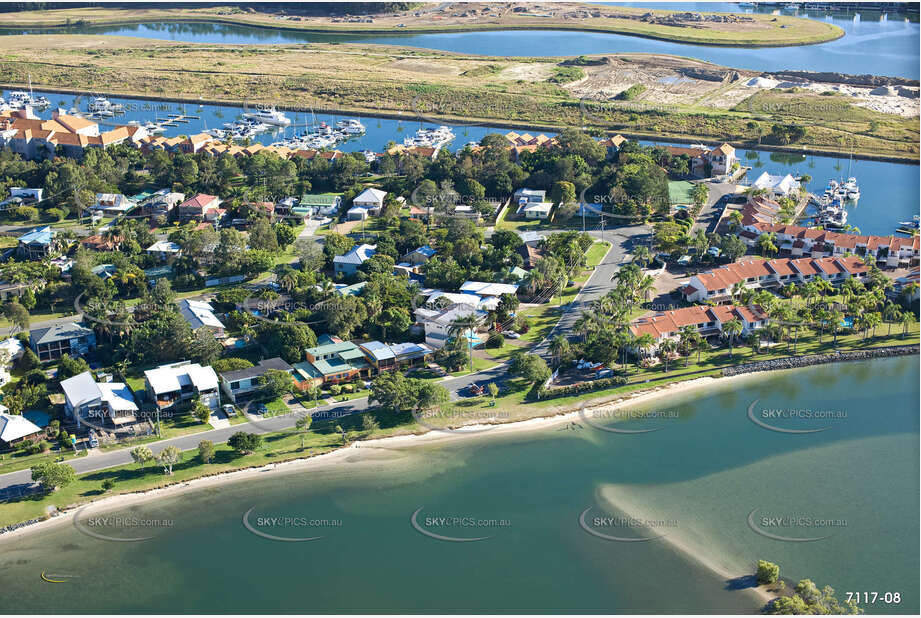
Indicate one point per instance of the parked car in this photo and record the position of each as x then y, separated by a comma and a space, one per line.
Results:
511, 334
475, 389
229, 410
94, 440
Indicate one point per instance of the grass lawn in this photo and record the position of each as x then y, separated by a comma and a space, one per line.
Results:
11, 462
37, 317
479, 364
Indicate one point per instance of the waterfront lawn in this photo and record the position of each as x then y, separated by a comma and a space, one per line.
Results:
129, 478
15, 460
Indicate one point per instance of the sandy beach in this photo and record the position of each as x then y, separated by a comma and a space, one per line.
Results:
686, 548
360, 452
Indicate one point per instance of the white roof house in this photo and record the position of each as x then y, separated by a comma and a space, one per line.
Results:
164, 246
171, 378
112, 203
15, 426
12, 347
372, 198
200, 314
82, 391
779, 185
488, 289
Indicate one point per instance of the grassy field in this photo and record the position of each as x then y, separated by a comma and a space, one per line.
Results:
369, 80
762, 30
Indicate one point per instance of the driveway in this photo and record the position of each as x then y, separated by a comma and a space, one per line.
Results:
709, 216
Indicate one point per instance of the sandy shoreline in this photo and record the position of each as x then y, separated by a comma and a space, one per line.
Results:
356, 449
687, 549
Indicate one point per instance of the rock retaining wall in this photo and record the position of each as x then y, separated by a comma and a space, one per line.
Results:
821, 359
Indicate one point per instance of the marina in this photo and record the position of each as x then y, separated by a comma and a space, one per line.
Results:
884, 202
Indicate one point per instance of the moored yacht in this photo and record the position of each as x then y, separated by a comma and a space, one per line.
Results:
268, 116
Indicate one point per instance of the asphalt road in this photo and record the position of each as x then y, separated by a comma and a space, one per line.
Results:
709, 215
22, 479
623, 240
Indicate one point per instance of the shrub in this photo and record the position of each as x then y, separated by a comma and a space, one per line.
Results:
632, 92
495, 340
768, 572
582, 387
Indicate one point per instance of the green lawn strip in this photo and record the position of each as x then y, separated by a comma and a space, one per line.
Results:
479, 364
11, 462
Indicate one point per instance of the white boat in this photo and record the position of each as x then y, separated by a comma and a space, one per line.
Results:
836, 219
432, 138
351, 126
268, 116
101, 106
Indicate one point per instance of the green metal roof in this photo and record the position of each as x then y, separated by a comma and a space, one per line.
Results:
318, 199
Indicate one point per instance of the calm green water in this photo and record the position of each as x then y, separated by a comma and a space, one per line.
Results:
702, 474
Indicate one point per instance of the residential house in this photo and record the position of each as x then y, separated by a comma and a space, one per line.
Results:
419, 256
530, 195
40, 243
34, 138
169, 384
242, 383
15, 428
721, 159
612, 145
338, 362
484, 288
357, 213
797, 241
200, 314
21, 196
52, 342
326, 204
534, 210
348, 263
161, 203
112, 204
395, 356
94, 402
697, 158
705, 320
202, 207
370, 199
718, 285
439, 323
164, 250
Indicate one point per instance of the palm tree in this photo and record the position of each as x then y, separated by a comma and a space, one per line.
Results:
834, 318
891, 313
288, 281
464, 326
641, 256
737, 288
665, 351
643, 343
625, 341
559, 346
907, 320
688, 338
730, 329
644, 285
767, 243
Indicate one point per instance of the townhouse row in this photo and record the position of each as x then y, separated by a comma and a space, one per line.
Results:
717, 285
706, 321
